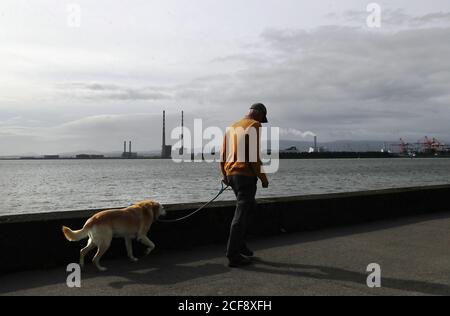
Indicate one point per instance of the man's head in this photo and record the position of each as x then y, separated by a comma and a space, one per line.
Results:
258, 112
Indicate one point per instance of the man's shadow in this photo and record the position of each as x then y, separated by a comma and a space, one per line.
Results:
163, 273
337, 274
172, 274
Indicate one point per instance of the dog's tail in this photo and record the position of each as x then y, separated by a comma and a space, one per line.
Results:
75, 235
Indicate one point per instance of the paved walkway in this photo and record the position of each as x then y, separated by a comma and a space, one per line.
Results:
414, 255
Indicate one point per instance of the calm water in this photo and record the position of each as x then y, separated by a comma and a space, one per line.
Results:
44, 186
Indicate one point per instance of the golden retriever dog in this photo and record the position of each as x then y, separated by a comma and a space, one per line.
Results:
130, 223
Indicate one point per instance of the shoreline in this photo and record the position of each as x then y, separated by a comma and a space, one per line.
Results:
301, 155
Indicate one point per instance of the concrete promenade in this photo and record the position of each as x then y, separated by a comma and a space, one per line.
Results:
414, 254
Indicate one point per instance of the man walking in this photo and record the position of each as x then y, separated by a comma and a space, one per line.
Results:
241, 169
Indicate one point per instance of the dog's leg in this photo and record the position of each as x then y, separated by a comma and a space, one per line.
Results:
129, 245
147, 242
85, 251
102, 248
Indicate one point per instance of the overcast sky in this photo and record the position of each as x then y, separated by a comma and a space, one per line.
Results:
317, 66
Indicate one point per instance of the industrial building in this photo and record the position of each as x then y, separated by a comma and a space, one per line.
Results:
128, 154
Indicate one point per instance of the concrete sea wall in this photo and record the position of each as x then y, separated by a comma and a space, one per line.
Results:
35, 241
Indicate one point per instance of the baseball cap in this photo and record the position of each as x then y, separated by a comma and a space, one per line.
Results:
261, 108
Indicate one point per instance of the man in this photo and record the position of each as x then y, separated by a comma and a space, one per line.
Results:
241, 169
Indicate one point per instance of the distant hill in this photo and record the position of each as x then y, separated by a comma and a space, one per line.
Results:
107, 153
81, 152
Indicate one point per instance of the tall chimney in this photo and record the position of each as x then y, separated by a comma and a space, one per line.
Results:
125, 146
130, 146
182, 133
164, 130
163, 147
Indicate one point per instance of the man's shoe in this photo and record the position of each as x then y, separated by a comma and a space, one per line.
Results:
239, 261
247, 252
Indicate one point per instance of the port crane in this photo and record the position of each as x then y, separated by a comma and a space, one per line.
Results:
432, 146
426, 146
404, 147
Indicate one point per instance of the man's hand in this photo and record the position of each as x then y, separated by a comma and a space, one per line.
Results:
265, 184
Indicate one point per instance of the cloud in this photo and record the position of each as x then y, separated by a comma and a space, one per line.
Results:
342, 81
241, 58
101, 91
11, 121
296, 133
398, 18
98, 132
439, 17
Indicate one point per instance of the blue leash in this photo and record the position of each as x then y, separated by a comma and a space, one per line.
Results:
223, 189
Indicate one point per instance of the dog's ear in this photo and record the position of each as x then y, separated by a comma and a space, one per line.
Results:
147, 205
151, 206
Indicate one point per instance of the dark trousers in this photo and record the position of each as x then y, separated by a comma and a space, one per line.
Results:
244, 188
